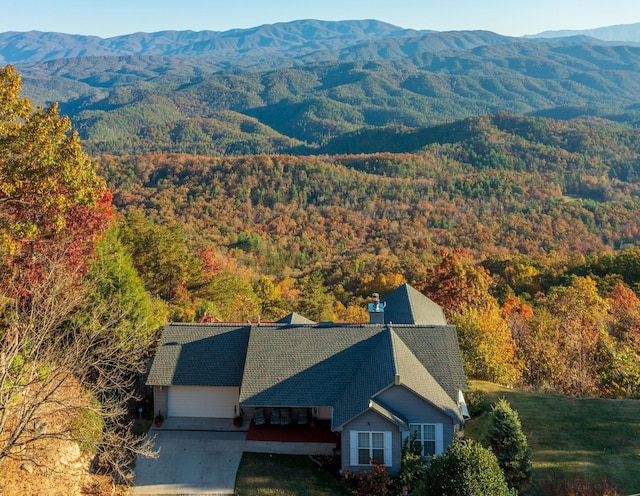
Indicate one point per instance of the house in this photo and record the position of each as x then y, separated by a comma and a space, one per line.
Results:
374, 383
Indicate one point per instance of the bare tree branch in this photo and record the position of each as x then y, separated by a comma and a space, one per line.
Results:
63, 365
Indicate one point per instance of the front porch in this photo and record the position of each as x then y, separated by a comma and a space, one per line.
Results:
292, 439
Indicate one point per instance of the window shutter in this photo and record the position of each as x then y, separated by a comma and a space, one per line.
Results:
388, 448
353, 449
439, 439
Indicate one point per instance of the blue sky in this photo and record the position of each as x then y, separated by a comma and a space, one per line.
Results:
107, 18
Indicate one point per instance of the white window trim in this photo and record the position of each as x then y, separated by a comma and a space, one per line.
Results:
439, 435
387, 439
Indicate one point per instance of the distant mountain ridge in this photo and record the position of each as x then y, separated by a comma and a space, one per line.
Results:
620, 32
305, 36
302, 41
138, 104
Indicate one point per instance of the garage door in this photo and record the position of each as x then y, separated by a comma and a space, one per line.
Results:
198, 401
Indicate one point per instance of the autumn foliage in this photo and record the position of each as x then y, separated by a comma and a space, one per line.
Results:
76, 323
52, 202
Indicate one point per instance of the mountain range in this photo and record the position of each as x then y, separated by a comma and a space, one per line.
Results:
296, 38
316, 86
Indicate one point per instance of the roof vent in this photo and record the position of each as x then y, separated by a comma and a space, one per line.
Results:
376, 310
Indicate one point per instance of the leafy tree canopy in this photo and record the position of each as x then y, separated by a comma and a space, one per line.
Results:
52, 200
465, 469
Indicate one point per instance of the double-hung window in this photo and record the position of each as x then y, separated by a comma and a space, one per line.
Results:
428, 437
368, 447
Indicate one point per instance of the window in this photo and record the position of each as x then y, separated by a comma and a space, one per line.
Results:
426, 437
368, 447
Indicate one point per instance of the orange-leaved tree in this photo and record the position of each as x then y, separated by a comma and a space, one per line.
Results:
487, 346
53, 204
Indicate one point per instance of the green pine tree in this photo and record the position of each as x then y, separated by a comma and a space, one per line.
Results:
509, 444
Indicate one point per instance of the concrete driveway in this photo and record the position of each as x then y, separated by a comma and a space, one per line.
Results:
191, 462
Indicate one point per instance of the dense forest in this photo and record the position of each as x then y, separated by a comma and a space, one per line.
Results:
491, 184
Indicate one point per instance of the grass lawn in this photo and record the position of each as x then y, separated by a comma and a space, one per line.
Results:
596, 437
284, 475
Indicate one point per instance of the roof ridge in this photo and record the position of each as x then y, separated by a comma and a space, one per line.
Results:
394, 355
367, 359
410, 301
383, 335
381, 407
208, 324
408, 349
413, 355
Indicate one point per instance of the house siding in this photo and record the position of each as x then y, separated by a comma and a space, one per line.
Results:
160, 400
371, 421
418, 411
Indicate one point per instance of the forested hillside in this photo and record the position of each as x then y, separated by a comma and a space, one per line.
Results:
489, 184
132, 108
306, 87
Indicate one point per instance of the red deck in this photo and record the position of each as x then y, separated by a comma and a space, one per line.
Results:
293, 433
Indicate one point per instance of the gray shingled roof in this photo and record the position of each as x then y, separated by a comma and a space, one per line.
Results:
412, 374
437, 349
345, 366
200, 355
301, 364
304, 365
375, 374
406, 305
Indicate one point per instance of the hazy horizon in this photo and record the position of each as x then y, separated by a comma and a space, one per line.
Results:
119, 17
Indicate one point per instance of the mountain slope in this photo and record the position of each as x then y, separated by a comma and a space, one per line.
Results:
492, 184
141, 104
314, 86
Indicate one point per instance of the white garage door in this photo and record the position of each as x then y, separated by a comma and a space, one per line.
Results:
200, 401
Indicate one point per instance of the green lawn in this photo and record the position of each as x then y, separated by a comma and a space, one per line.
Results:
596, 437
284, 475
